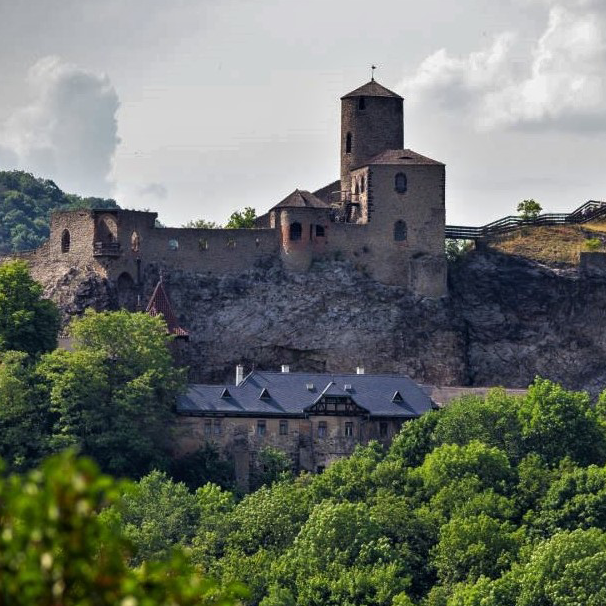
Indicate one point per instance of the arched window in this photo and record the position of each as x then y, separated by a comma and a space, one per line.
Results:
363, 185
357, 189
401, 183
135, 241
319, 231
348, 143
173, 244
65, 241
399, 231
295, 231
361, 103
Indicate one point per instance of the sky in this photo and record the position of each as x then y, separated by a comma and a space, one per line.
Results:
197, 108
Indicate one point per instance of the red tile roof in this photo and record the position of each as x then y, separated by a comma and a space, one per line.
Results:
159, 304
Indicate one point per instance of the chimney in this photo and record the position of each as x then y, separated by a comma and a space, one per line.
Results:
285, 368
360, 370
239, 374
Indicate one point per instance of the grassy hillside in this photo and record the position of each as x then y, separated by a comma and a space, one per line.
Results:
558, 245
25, 206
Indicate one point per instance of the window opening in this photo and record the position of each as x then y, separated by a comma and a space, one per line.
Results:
283, 428
135, 242
217, 427
225, 393
383, 430
203, 244
401, 183
399, 231
261, 428
322, 429
363, 184
348, 143
173, 244
311, 231
231, 243
320, 469
349, 430
264, 395
207, 428
362, 103
397, 397
295, 231
65, 241
319, 231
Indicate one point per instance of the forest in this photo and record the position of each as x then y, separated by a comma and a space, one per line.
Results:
25, 206
493, 501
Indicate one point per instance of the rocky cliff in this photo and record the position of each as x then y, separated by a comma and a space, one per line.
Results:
506, 320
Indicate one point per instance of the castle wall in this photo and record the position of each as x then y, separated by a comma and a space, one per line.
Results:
238, 438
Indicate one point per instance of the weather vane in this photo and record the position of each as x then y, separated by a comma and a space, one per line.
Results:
372, 72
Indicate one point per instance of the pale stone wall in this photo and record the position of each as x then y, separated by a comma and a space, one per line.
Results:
308, 451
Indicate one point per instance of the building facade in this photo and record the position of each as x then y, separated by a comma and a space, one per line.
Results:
313, 418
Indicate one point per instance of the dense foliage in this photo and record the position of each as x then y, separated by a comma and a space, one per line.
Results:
55, 549
495, 501
239, 219
25, 206
28, 322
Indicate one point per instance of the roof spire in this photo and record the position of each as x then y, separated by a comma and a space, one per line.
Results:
372, 72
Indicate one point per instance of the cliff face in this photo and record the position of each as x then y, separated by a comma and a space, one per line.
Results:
505, 321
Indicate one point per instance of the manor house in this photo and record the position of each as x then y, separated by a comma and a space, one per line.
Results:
385, 214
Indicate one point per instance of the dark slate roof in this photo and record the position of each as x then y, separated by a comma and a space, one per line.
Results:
159, 304
372, 89
293, 393
399, 156
324, 193
301, 198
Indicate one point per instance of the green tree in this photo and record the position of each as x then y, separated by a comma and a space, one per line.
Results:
113, 395
470, 547
24, 414
557, 423
529, 209
55, 549
204, 465
271, 465
28, 322
243, 219
202, 224
492, 419
155, 515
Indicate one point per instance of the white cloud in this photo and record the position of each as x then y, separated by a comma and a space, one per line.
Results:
69, 131
557, 84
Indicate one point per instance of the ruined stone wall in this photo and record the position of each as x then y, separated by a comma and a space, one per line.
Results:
307, 449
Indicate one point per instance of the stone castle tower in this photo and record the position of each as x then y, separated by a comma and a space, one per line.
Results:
372, 120
385, 215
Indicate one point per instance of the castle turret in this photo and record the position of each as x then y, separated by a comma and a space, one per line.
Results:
372, 121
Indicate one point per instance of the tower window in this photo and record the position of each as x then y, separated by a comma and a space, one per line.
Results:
173, 244
319, 231
401, 183
295, 231
363, 184
399, 231
348, 143
361, 103
65, 241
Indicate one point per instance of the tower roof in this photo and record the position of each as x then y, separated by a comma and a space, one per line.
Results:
394, 157
301, 199
160, 304
372, 89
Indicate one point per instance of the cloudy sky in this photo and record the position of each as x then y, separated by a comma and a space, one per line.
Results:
195, 108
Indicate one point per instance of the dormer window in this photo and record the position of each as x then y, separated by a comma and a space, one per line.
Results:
397, 397
264, 395
225, 393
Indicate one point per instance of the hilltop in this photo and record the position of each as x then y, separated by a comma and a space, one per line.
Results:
25, 206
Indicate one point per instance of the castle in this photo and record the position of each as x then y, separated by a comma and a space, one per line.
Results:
386, 214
